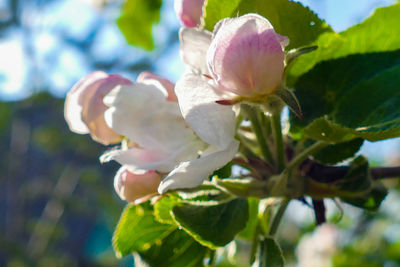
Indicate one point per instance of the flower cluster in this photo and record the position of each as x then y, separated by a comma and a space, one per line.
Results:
174, 136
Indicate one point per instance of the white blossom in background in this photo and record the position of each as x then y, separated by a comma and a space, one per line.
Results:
317, 249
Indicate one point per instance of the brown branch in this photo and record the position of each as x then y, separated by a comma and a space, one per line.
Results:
319, 211
385, 172
328, 174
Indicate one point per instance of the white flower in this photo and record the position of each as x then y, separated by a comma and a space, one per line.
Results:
185, 152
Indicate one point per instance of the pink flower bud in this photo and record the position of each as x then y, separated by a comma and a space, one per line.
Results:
166, 84
189, 12
246, 56
136, 188
84, 108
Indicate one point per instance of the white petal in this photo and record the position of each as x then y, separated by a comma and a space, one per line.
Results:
144, 159
142, 113
194, 45
212, 122
190, 174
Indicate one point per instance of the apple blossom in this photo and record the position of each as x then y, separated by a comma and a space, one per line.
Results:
146, 76
246, 56
84, 108
194, 44
185, 153
189, 12
136, 187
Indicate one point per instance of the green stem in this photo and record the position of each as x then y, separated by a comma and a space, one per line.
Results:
277, 132
254, 243
272, 231
305, 153
278, 217
252, 115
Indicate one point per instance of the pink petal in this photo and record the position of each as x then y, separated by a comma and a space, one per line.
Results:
246, 56
84, 108
189, 12
136, 187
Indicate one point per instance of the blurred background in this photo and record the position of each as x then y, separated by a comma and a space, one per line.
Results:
57, 202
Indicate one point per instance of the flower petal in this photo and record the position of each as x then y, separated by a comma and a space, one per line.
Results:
212, 122
189, 12
246, 56
77, 97
93, 112
145, 159
84, 107
194, 44
136, 187
190, 174
142, 114
148, 77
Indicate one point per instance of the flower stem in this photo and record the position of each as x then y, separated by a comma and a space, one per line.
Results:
272, 231
278, 217
305, 153
277, 132
252, 115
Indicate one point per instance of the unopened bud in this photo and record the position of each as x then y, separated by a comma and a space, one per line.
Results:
246, 56
189, 12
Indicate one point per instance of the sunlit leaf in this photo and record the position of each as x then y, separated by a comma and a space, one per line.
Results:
137, 20
375, 34
137, 230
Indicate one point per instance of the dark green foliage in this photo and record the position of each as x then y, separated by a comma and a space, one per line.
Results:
177, 249
334, 154
213, 226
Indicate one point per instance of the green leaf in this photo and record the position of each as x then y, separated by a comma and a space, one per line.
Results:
273, 256
356, 183
178, 249
206, 194
137, 230
357, 179
378, 106
137, 19
224, 172
371, 200
216, 10
334, 154
352, 99
213, 226
301, 28
163, 209
375, 34
290, 99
